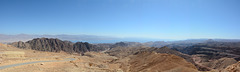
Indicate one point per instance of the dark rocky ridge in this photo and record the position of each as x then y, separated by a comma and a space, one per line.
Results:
56, 45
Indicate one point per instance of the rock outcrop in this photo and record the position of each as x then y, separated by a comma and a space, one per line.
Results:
54, 45
81, 47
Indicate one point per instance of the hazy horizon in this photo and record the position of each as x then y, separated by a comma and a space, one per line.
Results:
92, 38
154, 19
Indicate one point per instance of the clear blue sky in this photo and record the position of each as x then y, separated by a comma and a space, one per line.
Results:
163, 19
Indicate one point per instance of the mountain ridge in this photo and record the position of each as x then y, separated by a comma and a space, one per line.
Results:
54, 45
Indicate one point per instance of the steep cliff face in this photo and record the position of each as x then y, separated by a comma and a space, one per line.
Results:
54, 45
81, 47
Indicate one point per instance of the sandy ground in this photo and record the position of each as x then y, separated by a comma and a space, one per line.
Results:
90, 62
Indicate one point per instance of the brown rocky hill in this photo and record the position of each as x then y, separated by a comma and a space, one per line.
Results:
122, 52
170, 51
158, 62
188, 58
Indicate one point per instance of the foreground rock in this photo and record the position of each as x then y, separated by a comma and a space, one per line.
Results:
220, 63
232, 68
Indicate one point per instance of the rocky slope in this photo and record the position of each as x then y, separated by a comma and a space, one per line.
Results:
158, 62
220, 63
188, 58
232, 68
122, 52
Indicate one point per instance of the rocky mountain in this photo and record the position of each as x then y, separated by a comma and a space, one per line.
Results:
56, 45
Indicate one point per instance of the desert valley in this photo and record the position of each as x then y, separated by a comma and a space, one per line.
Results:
54, 55
119, 36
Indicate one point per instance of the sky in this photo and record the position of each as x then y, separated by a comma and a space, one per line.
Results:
162, 19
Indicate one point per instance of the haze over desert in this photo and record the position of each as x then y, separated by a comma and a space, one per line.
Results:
119, 36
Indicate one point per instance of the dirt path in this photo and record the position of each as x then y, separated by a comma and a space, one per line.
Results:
19, 64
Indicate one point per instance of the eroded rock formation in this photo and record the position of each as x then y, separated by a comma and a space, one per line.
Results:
54, 45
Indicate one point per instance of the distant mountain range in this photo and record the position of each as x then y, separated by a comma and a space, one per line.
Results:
74, 38
25, 37
103, 39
